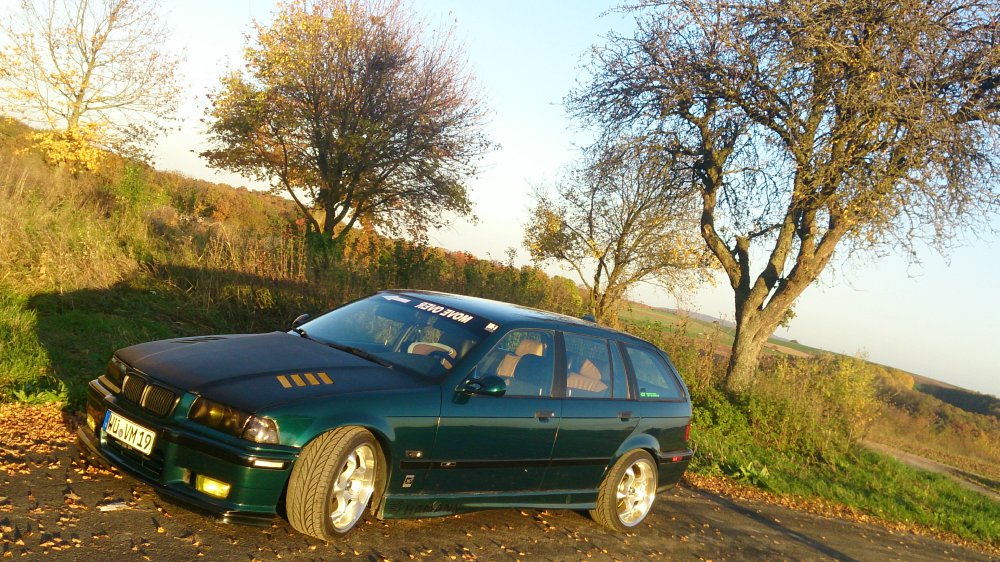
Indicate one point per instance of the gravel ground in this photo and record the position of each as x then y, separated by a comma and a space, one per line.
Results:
55, 506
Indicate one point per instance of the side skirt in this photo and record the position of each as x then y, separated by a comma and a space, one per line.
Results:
427, 505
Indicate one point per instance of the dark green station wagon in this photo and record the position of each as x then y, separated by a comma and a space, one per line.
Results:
407, 403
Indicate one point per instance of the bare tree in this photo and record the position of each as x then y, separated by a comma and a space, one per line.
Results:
90, 70
806, 126
617, 221
356, 112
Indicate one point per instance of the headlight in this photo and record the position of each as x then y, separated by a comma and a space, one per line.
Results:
232, 421
115, 372
260, 430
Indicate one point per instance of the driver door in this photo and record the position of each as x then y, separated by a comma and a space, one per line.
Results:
501, 443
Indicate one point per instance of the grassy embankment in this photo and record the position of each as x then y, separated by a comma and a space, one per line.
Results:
92, 263
797, 433
951, 425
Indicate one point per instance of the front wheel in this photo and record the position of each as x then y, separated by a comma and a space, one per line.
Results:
627, 493
332, 482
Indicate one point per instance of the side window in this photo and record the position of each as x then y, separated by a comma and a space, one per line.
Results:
620, 387
526, 361
655, 382
588, 367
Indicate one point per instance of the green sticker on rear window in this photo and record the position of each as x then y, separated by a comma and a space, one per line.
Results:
649, 394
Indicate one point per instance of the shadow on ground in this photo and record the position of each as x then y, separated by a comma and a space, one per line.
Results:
81, 329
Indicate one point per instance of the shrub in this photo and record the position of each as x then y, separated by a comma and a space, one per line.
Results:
813, 406
799, 408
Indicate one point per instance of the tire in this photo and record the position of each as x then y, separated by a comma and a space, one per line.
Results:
627, 493
333, 481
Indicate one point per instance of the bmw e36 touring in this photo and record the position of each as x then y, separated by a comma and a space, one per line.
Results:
401, 404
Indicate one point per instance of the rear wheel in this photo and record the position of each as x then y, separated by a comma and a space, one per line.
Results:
627, 493
332, 482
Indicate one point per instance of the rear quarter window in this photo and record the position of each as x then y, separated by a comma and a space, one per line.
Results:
652, 376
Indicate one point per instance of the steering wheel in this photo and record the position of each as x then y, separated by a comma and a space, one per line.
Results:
442, 356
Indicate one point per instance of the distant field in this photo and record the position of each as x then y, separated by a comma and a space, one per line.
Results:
698, 328
724, 334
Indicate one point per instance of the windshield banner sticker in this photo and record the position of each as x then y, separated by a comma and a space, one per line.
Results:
452, 314
446, 312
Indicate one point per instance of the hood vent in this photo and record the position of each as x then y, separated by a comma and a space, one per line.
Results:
201, 339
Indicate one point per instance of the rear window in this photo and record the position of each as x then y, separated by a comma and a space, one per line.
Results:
588, 367
653, 379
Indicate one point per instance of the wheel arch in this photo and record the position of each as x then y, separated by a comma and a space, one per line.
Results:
643, 441
383, 434
639, 441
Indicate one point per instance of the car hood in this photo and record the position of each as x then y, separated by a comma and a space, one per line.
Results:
253, 371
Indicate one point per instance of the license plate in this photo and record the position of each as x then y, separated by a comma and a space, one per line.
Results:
129, 433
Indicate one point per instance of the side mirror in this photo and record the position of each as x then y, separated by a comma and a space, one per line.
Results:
490, 385
300, 320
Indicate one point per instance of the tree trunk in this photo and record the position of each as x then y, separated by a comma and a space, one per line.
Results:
329, 221
745, 356
604, 314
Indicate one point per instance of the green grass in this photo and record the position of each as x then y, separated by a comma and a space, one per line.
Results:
82, 329
873, 483
53, 342
674, 323
57, 342
24, 361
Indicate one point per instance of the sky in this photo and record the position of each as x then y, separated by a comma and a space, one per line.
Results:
940, 318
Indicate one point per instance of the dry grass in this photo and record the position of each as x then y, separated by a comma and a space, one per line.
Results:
962, 445
49, 238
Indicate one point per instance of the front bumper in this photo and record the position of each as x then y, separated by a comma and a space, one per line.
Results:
179, 453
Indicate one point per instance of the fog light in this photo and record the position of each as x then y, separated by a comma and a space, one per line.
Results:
211, 486
93, 414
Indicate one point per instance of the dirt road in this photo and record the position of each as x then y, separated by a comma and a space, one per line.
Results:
923, 463
53, 507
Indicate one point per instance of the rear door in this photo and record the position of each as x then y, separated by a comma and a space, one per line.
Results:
664, 406
597, 413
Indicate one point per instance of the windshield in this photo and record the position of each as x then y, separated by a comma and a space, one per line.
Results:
414, 334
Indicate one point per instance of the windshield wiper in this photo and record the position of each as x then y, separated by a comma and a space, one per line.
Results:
301, 332
360, 353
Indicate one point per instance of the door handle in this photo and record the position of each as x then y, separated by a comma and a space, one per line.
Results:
544, 415
625, 416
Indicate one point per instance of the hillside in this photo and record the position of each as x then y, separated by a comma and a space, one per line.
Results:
129, 226
967, 400
93, 262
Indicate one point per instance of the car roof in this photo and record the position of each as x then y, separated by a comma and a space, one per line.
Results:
505, 313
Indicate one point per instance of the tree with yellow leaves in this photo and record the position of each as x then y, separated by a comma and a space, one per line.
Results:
617, 220
357, 112
95, 73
